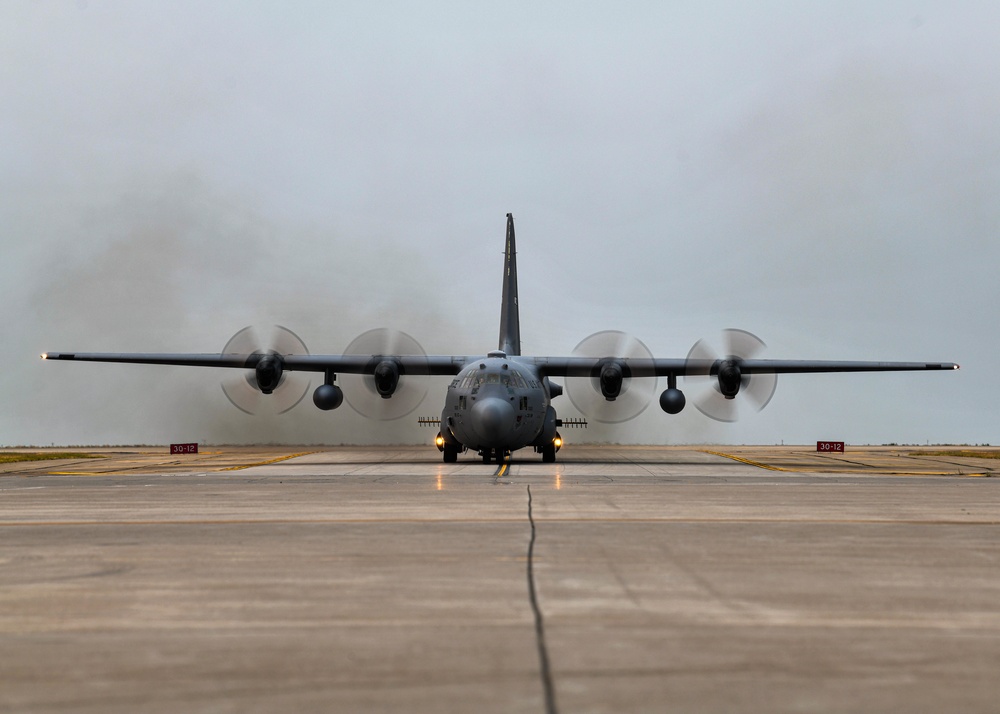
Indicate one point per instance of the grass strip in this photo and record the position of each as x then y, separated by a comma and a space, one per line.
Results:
11, 457
960, 453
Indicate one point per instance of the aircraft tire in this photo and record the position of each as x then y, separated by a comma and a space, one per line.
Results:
549, 454
450, 454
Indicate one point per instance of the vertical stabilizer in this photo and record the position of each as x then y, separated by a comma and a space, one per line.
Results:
510, 323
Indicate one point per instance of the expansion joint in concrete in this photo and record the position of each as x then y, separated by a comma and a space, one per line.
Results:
543, 654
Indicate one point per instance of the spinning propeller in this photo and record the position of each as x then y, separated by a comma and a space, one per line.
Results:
390, 393
716, 386
611, 396
245, 391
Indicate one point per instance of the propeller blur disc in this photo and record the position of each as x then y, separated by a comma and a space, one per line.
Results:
755, 391
242, 391
635, 395
359, 390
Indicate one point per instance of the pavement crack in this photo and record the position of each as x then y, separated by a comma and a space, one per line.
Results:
543, 653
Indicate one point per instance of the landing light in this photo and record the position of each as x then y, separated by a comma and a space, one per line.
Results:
439, 441
557, 442
45, 355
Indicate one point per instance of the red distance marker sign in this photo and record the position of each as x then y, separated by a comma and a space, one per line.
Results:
830, 447
183, 448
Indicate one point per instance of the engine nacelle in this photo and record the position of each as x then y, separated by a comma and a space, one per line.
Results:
268, 373
386, 376
611, 379
328, 396
730, 378
672, 400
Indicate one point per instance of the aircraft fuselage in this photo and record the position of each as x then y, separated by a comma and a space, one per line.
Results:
498, 404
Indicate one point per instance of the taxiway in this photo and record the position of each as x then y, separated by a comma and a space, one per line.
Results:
617, 579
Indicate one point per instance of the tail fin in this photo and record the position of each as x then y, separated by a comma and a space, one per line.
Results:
510, 323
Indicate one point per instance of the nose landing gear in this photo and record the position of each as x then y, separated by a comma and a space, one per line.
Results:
497, 456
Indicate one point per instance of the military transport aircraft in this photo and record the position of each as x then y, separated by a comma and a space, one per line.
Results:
502, 401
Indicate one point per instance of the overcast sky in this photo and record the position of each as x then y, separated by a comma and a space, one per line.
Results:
824, 175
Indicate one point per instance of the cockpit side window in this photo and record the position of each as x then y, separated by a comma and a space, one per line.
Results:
470, 380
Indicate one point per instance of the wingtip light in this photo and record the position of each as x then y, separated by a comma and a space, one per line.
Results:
45, 355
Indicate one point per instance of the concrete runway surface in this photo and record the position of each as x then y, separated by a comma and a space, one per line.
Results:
617, 579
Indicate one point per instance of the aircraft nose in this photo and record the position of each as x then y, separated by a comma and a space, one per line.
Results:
493, 418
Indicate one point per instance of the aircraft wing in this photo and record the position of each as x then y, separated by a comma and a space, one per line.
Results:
452, 364
586, 366
609, 374
343, 364
777, 366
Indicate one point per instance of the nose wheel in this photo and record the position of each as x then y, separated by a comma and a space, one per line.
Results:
494, 455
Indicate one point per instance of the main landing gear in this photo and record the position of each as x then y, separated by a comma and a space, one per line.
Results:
548, 451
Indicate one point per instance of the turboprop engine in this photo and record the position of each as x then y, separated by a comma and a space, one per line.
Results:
612, 394
394, 367
264, 355
268, 373
730, 378
386, 377
719, 372
612, 376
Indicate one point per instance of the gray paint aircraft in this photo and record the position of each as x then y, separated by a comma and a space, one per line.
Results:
502, 401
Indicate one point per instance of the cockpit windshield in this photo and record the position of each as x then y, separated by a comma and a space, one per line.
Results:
476, 377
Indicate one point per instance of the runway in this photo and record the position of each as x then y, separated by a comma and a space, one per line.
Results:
617, 579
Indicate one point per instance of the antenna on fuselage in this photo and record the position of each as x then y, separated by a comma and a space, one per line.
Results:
510, 323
